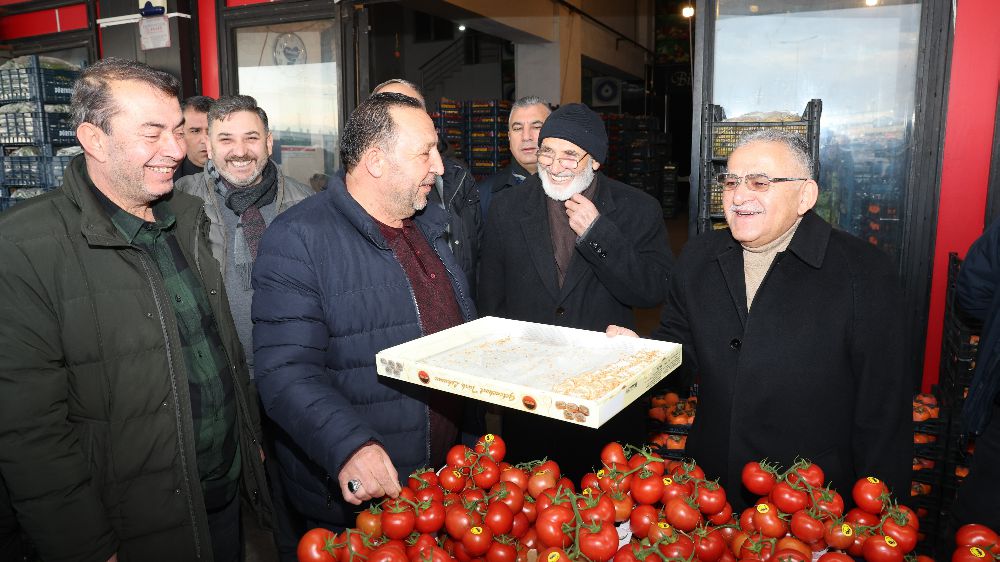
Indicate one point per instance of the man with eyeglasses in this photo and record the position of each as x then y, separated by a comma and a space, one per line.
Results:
572, 247
527, 116
794, 331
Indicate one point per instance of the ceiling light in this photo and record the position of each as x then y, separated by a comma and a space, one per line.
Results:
687, 11
871, 2
461, 28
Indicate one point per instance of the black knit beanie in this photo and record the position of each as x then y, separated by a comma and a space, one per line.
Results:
580, 125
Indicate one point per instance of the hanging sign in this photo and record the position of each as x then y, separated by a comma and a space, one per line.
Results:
154, 33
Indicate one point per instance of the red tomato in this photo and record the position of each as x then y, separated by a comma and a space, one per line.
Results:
649, 489
614, 478
880, 548
540, 481
682, 515
492, 446
653, 463
746, 520
627, 553
711, 498
674, 489
970, 554
369, 522
430, 493
549, 526
430, 519
519, 525
613, 453
838, 535
499, 518
681, 547
509, 494
477, 541
690, 469
811, 473
861, 517
806, 527
828, 501
860, 536
591, 481
758, 479
598, 541
723, 517
501, 552
660, 531
421, 479
834, 556
904, 535
458, 520
485, 473
317, 546
515, 476
554, 554
868, 494
767, 520
788, 499
641, 518
452, 479
354, 547
792, 543
596, 508
975, 534
756, 547
530, 509
623, 506
398, 524
709, 547
388, 554
460, 455
551, 466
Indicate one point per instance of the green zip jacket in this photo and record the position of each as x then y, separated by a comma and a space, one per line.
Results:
96, 437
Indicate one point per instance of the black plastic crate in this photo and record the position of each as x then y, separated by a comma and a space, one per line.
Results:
37, 128
34, 171
35, 83
723, 135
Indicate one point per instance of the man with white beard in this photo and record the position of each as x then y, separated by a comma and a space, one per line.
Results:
572, 247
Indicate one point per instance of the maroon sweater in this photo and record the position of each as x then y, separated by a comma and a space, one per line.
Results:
437, 309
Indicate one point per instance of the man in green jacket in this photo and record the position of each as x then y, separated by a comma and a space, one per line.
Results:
128, 425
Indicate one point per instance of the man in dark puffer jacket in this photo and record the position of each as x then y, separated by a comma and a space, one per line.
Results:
128, 424
339, 277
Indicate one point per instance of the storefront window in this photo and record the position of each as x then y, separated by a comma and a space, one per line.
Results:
860, 58
291, 70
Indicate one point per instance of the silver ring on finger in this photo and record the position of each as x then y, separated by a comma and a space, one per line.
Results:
353, 486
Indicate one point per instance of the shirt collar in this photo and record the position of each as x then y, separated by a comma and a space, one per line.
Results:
130, 225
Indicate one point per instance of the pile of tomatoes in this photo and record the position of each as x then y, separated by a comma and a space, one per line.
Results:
637, 506
976, 543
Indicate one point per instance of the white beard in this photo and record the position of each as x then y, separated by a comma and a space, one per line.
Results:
580, 182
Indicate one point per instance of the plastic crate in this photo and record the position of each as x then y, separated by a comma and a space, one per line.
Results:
725, 134
34, 171
10, 198
36, 84
37, 128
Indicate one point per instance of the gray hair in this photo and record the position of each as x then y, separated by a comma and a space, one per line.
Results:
228, 105
529, 101
792, 141
378, 89
92, 100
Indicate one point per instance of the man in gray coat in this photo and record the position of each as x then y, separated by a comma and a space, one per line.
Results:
243, 190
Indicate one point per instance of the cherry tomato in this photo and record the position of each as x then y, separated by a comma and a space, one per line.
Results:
868, 493
757, 479
317, 546
492, 446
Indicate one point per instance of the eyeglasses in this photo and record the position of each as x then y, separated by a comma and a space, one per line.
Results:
547, 156
755, 182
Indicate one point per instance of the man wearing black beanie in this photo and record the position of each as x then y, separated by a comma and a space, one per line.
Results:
572, 247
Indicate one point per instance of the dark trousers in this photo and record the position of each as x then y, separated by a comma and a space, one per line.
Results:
226, 530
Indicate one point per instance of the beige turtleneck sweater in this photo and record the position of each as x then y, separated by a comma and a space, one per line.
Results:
756, 261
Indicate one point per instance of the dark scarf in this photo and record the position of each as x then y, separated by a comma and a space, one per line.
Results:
562, 234
246, 203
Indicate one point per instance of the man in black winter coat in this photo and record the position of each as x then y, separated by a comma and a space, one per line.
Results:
572, 247
794, 331
454, 191
524, 124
